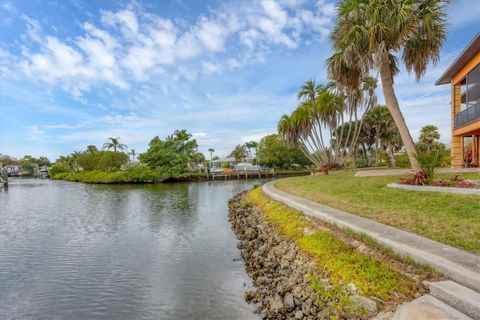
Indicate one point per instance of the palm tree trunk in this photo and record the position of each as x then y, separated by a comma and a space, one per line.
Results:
367, 162
354, 156
377, 146
394, 108
393, 162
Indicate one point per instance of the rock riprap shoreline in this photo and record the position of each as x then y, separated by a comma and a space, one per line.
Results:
281, 273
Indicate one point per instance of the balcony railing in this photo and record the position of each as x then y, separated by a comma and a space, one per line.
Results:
466, 116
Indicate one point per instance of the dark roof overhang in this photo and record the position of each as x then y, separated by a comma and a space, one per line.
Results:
467, 54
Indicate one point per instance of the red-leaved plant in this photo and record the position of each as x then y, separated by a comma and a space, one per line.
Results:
420, 179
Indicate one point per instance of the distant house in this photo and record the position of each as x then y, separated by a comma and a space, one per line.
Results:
217, 165
13, 169
464, 78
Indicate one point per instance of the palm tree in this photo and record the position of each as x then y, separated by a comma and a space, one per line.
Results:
428, 135
251, 145
370, 33
132, 153
114, 143
211, 150
391, 141
91, 148
309, 91
378, 121
312, 125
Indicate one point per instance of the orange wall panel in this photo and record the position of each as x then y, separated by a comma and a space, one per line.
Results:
467, 68
467, 130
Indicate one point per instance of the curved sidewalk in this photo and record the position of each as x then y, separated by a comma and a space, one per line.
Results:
460, 265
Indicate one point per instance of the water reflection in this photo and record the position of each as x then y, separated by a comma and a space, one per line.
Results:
75, 251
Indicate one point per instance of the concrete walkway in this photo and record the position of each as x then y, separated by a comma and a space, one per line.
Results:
396, 172
460, 265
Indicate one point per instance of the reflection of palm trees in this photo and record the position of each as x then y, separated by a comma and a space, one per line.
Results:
175, 206
112, 203
114, 143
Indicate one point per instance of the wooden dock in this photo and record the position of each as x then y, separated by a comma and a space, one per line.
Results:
241, 175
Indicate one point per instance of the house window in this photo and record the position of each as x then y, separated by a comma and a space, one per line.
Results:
470, 88
473, 86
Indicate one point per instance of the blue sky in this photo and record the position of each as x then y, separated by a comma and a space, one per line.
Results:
76, 72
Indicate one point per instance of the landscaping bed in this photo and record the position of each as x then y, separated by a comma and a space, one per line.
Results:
421, 178
438, 216
435, 188
304, 269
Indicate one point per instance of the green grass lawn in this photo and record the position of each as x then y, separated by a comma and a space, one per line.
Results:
453, 219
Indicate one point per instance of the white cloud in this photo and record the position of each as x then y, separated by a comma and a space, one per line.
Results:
34, 28
126, 19
250, 37
34, 133
211, 34
133, 45
210, 67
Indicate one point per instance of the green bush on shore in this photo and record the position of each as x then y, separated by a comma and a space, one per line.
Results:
139, 174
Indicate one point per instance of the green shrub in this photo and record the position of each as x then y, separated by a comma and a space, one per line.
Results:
402, 160
139, 174
57, 168
429, 161
225, 165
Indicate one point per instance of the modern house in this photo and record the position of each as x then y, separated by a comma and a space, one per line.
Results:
464, 77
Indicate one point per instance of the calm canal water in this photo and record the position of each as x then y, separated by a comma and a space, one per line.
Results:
76, 251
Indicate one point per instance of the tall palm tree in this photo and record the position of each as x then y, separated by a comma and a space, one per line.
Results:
370, 33
132, 153
312, 125
114, 143
378, 121
251, 145
309, 91
428, 135
211, 150
391, 141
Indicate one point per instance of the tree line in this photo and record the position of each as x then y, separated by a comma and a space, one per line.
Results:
332, 122
27, 163
173, 156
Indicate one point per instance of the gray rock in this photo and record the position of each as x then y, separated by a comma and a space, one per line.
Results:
305, 308
299, 315
383, 315
290, 256
297, 292
263, 280
367, 304
275, 304
284, 264
352, 287
250, 233
288, 302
